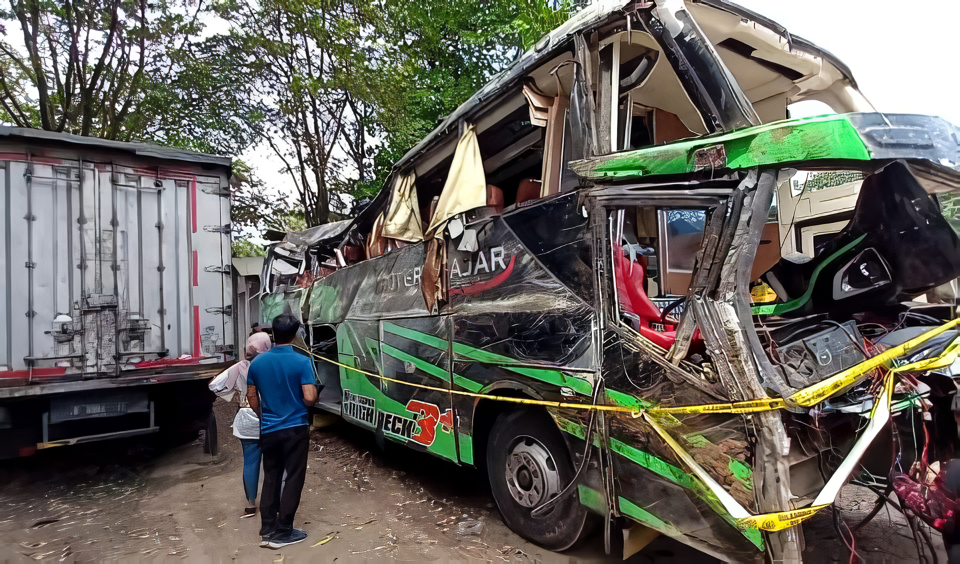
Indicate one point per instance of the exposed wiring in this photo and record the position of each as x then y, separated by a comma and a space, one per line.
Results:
881, 501
852, 545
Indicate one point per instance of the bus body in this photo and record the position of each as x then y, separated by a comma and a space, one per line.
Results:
560, 284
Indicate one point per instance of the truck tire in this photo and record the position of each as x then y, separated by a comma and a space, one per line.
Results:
211, 440
528, 464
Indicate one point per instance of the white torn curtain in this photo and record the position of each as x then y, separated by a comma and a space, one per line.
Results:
466, 186
403, 216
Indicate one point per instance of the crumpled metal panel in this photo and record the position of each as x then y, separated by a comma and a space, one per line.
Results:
289, 301
379, 288
909, 136
896, 218
718, 442
557, 233
505, 299
502, 276
655, 486
314, 235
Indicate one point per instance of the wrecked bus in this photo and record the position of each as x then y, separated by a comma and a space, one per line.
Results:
589, 282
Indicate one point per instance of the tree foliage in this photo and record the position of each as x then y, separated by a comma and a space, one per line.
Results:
440, 54
301, 56
337, 89
244, 247
118, 69
352, 85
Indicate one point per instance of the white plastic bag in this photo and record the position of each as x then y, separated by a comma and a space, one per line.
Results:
219, 385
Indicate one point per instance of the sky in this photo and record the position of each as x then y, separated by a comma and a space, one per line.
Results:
904, 55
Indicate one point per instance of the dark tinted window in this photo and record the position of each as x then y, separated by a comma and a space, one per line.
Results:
556, 233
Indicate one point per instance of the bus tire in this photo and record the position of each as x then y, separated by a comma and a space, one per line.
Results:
527, 464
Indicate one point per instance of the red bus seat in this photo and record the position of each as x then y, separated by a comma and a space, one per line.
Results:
634, 300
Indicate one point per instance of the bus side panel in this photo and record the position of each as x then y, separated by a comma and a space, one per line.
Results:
413, 351
417, 351
358, 346
518, 329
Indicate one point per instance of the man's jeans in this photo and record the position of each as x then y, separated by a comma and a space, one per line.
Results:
283, 450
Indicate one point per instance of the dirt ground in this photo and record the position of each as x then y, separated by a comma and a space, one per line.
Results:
134, 501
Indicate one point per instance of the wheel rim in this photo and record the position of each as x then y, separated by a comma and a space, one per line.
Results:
531, 473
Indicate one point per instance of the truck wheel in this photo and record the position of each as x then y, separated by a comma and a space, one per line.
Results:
528, 464
211, 440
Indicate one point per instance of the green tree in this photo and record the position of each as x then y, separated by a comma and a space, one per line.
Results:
120, 69
351, 85
338, 89
443, 53
244, 247
301, 56
255, 208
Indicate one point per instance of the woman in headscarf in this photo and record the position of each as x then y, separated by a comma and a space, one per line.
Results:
246, 425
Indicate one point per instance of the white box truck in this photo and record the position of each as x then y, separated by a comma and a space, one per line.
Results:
116, 298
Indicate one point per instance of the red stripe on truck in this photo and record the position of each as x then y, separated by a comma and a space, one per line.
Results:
196, 269
196, 330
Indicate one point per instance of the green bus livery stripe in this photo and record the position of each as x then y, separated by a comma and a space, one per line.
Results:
430, 368
466, 448
427, 367
777, 309
754, 536
430, 341
654, 464
547, 375
819, 138
467, 384
627, 400
592, 499
681, 478
666, 470
414, 335
643, 516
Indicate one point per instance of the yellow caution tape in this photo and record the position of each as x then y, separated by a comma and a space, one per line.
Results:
633, 411
943, 360
806, 397
770, 522
742, 517
778, 521
823, 390
816, 393
752, 406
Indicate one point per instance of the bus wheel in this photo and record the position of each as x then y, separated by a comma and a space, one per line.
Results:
528, 464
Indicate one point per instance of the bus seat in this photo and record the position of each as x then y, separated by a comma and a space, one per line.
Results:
495, 198
528, 190
430, 211
635, 302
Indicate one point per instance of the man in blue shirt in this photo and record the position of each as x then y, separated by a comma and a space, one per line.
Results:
280, 387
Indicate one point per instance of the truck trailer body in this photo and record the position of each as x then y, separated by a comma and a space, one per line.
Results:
117, 295
590, 281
